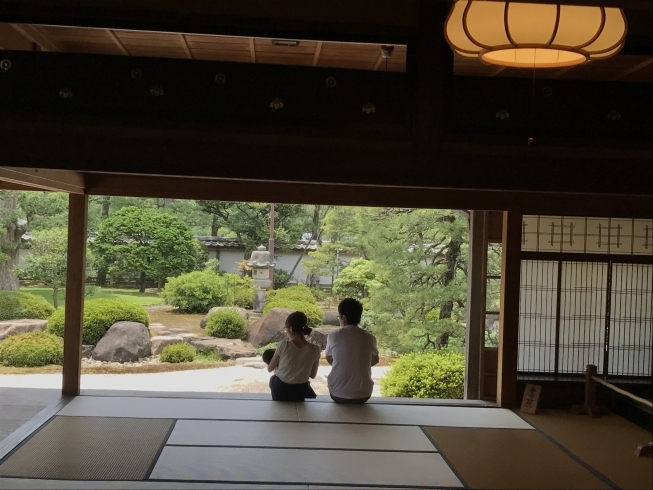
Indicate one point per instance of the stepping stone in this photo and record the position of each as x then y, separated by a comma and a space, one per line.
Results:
178, 330
157, 326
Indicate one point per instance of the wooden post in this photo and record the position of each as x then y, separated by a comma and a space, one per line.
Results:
509, 312
75, 281
475, 341
590, 407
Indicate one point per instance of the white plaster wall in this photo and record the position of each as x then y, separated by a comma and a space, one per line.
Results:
229, 260
286, 261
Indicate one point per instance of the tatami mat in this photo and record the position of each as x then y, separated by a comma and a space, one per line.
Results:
506, 459
299, 435
496, 418
607, 443
82, 448
179, 408
304, 467
31, 484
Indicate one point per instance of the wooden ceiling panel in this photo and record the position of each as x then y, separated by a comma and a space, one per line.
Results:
209, 56
196, 38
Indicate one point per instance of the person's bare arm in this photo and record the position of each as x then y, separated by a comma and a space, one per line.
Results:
274, 362
316, 364
329, 359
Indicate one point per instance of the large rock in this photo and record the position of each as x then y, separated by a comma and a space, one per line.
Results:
225, 348
319, 336
87, 351
331, 318
269, 328
124, 342
241, 311
13, 327
159, 343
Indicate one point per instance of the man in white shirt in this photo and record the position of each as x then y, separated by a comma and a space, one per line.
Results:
352, 352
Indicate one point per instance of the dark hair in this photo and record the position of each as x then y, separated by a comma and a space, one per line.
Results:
267, 355
297, 321
352, 309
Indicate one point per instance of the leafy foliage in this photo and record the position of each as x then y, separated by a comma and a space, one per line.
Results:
177, 353
281, 278
146, 241
47, 264
226, 324
199, 291
262, 349
299, 292
99, 315
358, 279
314, 314
426, 375
15, 305
31, 349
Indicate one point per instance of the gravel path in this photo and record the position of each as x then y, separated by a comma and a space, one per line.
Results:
232, 379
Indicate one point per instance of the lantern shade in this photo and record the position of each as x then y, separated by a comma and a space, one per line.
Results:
532, 35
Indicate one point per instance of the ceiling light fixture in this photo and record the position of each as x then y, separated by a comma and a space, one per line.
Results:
529, 35
285, 42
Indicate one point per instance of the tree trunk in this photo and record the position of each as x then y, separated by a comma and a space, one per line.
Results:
215, 225
141, 283
160, 282
10, 237
101, 279
55, 298
106, 204
451, 258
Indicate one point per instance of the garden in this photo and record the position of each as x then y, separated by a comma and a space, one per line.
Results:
155, 302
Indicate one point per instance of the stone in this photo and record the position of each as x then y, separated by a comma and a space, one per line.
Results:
187, 337
319, 336
13, 327
225, 348
124, 342
331, 318
159, 343
241, 311
178, 330
158, 326
87, 351
246, 360
269, 328
161, 333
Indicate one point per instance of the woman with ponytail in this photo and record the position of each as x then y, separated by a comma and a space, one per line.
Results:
295, 361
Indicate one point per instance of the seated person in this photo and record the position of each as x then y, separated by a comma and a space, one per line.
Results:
267, 355
352, 352
295, 361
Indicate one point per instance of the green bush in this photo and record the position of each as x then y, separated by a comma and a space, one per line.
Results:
314, 314
226, 324
178, 353
318, 293
31, 349
438, 374
15, 305
99, 315
199, 291
262, 349
299, 292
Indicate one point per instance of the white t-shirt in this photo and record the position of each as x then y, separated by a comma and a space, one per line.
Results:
352, 349
295, 364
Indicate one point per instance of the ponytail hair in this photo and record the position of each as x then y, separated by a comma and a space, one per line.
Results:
298, 322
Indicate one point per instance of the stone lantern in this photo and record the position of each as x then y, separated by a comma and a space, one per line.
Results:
261, 262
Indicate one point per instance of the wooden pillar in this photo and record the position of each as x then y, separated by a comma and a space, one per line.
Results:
475, 335
509, 313
75, 281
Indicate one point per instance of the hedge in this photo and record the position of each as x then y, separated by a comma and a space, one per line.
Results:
438, 374
99, 315
299, 292
31, 349
199, 291
16, 305
226, 324
177, 353
314, 314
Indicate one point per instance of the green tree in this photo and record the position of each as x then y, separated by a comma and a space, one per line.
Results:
358, 279
148, 243
47, 262
21, 212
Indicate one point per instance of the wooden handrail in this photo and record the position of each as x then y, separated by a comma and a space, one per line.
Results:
623, 392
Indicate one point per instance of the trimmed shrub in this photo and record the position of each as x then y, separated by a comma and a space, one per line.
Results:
99, 315
199, 291
31, 349
299, 292
438, 374
262, 349
16, 305
226, 324
314, 314
178, 353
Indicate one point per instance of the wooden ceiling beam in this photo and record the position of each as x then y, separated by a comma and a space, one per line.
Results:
44, 179
36, 36
117, 42
184, 45
316, 56
252, 50
379, 60
634, 69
